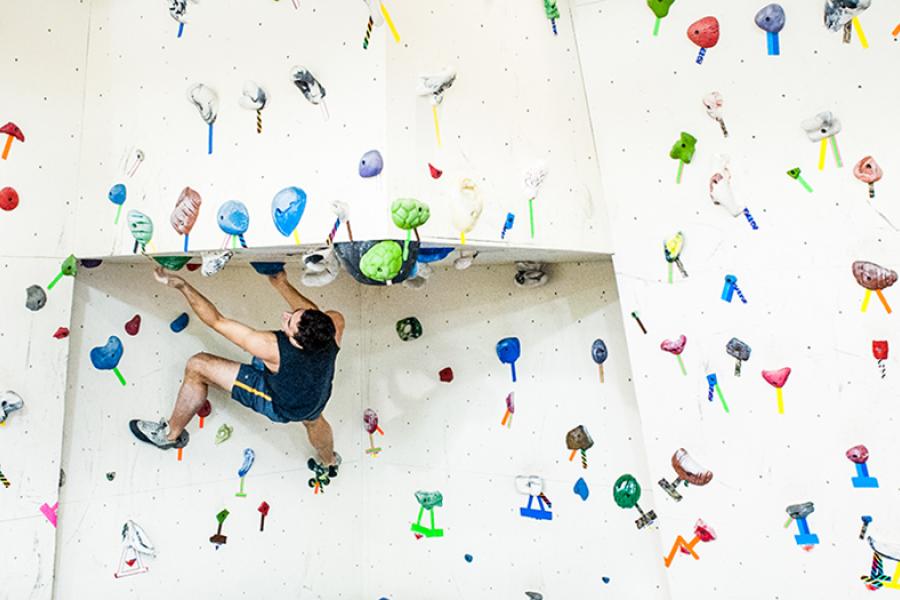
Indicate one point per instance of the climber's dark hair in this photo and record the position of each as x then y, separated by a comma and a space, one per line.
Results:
314, 330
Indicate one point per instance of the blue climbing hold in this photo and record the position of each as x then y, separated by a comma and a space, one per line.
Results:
432, 254
288, 206
117, 194
233, 218
581, 489
107, 357
268, 268
180, 323
605, 579
371, 164
468, 558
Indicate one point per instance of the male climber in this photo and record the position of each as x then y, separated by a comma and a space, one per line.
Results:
292, 383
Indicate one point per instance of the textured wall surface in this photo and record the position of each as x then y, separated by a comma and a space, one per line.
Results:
803, 306
354, 541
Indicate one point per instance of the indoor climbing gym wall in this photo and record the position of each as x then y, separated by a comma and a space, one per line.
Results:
440, 397
617, 277
768, 222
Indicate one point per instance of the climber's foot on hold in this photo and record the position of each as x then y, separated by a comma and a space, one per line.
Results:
155, 433
318, 465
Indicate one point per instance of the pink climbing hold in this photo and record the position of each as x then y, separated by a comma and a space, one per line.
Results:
50, 512
777, 378
675, 347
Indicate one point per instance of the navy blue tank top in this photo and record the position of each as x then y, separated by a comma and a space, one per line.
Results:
302, 386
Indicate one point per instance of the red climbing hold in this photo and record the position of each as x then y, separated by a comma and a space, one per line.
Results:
61, 333
134, 325
193, 266
446, 375
435, 172
9, 198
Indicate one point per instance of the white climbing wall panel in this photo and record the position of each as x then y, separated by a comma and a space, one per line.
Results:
496, 120
804, 305
354, 541
34, 366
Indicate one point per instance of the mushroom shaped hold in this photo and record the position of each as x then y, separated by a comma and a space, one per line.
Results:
777, 378
770, 18
675, 347
14, 133
822, 126
858, 454
873, 277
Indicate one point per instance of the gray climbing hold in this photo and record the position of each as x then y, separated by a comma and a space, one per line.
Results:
36, 298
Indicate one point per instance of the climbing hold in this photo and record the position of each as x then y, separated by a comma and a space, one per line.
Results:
383, 261
605, 579
446, 374
141, 227
234, 219
288, 207
435, 172
9, 198
172, 263
110, 475
371, 164
180, 323
409, 214
133, 326
268, 268
508, 351
223, 433
409, 329
61, 333
581, 489
107, 357
35, 298
90, 263
213, 262
468, 558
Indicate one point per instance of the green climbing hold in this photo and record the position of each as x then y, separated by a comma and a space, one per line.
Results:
627, 491
409, 213
223, 514
684, 148
69, 266
794, 173
141, 226
382, 262
429, 500
409, 329
660, 8
172, 263
551, 10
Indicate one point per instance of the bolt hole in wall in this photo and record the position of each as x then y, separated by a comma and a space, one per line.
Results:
354, 539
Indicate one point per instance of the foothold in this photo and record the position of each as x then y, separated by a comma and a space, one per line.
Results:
799, 513
530, 274
90, 263
446, 374
840, 13
218, 538
579, 439
683, 151
534, 596
427, 501
308, 85
581, 489
320, 267
435, 172
859, 456
468, 558
69, 268
110, 475
822, 126
371, 164
263, 513
133, 326
409, 329
180, 323
61, 333
599, 354
193, 266
205, 409
135, 543
9, 199
288, 206
35, 298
